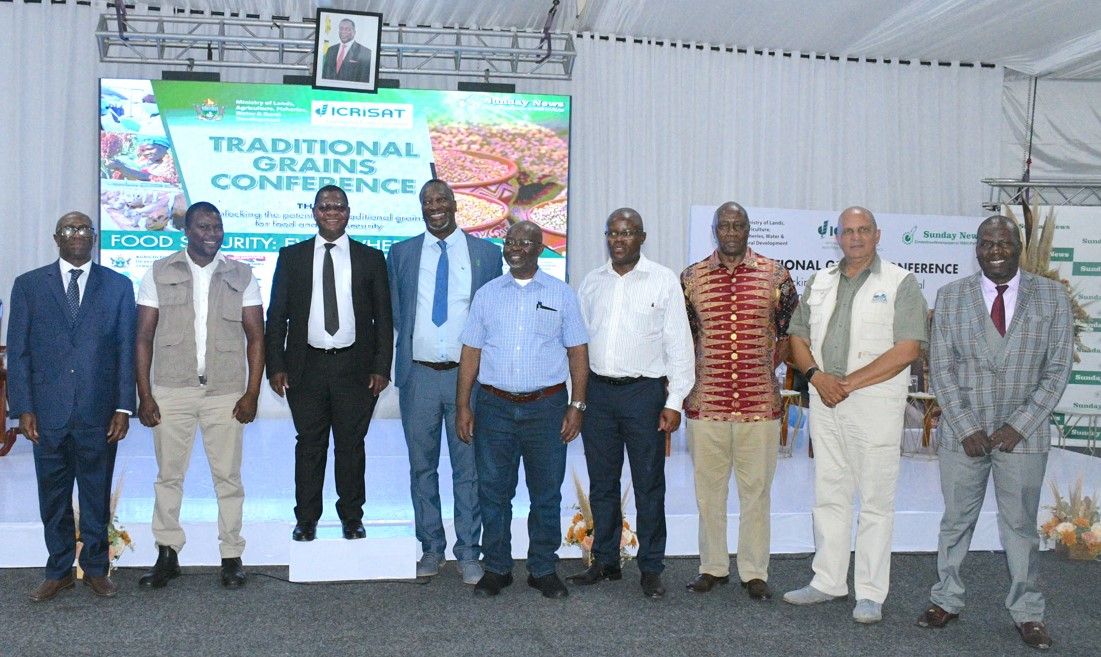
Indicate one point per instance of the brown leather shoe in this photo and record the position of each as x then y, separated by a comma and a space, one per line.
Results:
705, 582
757, 589
101, 586
1035, 635
935, 617
51, 587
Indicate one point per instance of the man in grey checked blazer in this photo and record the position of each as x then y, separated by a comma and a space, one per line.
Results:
1000, 356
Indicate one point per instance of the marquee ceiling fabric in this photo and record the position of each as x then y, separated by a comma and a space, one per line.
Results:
1053, 38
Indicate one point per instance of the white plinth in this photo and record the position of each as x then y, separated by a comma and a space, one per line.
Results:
388, 552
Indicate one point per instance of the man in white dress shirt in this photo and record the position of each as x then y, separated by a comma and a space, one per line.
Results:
641, 362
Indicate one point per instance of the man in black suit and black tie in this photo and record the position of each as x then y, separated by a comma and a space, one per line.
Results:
349, 60
330, 341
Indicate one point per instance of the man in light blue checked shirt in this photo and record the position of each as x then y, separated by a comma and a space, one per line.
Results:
523, 335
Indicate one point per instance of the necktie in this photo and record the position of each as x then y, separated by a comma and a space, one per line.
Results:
328, 288
340, 58
439, 300
72, 293
997, 310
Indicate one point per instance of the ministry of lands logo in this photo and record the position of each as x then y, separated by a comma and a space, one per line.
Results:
210, 110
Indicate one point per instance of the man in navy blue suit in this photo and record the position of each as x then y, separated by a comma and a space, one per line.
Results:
433, 277
71, 386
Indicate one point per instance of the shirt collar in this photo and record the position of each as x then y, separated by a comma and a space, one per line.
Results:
539, 277
990, 287
451, 240
65, 266
218, 257
642, 265
340, 242
874, 268
749, 261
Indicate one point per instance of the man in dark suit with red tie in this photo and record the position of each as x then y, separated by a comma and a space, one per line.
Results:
329, 344
71, 386
349, 60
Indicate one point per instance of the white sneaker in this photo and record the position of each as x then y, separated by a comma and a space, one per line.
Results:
808, 595
471, 571
429, 565
867, 612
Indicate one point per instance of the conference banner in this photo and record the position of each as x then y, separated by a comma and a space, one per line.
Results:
936, 248
1076, 255
260, 152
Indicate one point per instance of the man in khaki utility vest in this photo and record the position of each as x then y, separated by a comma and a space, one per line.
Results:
200, 320
858, 327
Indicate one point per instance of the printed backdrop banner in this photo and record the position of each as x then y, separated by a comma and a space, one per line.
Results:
261, 151
1076, 254
937, 249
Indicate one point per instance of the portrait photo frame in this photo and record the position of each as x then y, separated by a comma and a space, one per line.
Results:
357, 68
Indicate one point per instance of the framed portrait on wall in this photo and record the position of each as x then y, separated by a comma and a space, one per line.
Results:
346, 50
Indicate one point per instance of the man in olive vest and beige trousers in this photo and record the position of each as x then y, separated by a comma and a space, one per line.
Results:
854, 335
200, 320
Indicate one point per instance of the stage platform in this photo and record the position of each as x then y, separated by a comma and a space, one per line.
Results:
268, 474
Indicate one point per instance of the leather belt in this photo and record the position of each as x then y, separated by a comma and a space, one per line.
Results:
616, 380
439, 367
330, 352
525, 397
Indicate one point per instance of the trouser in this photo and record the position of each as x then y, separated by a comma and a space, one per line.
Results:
504, 433
182, 410
60, 458
1017, 482
750, 450
332, 394
427, 402
621, 417
856, 449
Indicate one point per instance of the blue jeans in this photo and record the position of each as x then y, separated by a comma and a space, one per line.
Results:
618, 417
505, 432
427, 403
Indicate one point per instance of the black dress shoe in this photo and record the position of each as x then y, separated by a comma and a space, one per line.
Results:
549, 585
491, 584
304, 531
651, 585
166, 568
595, 573
704, 582
233, 573
757, 589
353, 529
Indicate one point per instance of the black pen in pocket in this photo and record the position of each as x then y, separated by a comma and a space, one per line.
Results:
539, 306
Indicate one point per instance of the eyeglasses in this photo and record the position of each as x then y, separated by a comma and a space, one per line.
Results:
330, 207
731, 228
68, 231
613, 234
524, 244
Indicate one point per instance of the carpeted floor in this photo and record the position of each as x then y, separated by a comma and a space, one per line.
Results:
193, 616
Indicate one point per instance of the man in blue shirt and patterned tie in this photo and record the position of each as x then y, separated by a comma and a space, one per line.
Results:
523, 335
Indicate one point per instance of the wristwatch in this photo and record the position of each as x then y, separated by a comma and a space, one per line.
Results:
579, 405
809, 374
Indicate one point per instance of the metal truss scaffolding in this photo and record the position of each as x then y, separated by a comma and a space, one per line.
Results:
1006, 191
224, 42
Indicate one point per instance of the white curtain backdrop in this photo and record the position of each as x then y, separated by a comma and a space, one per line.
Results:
658, 128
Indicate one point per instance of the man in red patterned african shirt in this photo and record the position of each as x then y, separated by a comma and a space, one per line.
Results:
739, 304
